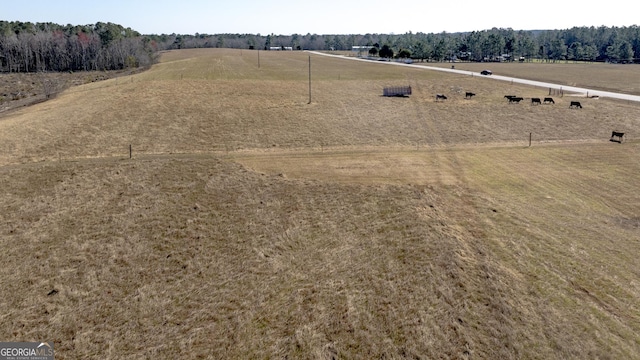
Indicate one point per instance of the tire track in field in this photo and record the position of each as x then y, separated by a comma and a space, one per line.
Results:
444, 165
476, 278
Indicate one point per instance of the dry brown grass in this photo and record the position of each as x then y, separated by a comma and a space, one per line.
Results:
251, 224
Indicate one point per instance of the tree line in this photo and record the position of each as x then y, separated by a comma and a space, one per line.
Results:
43, 47
613, 44
29, 47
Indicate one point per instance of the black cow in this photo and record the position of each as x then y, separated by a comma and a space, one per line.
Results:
549, 100
509, 96
615, 134
575, 104
515, 99
469, 95
535, 101
440, 97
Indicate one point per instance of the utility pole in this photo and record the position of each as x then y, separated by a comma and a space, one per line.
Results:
309, 79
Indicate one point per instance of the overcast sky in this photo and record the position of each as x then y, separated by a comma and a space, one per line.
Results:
323, 17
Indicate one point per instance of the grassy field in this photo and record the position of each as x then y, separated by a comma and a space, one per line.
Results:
250, 223
606, 77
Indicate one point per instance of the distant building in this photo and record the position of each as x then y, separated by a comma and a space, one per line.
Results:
497, 58
361, 49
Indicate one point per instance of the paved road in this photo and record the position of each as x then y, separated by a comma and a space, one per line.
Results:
573, 89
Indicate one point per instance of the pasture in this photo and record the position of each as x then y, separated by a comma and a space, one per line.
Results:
605, 77
250, 223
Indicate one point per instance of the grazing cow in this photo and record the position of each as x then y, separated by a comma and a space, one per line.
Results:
440, 97
508, 97
535, 101
549, 100
515, 99
615, 134
575, 104
469, 95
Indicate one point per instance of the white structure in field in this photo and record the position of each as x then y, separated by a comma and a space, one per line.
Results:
361, 50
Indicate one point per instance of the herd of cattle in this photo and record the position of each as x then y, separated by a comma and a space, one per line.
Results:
404, 91
513, 99
516, 99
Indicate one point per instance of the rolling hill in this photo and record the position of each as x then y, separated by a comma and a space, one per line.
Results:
250, 223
